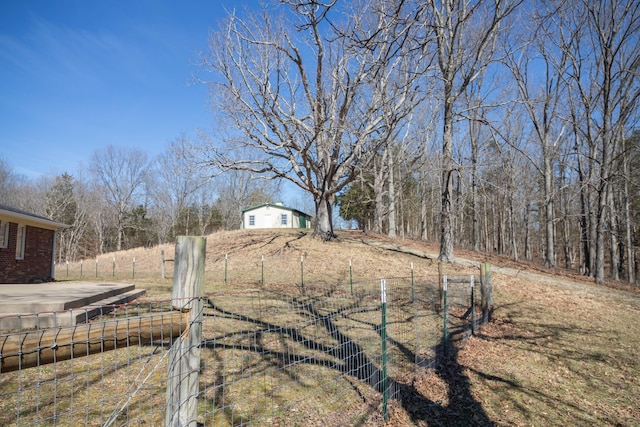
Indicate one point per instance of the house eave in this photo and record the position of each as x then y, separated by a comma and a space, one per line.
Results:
21, 217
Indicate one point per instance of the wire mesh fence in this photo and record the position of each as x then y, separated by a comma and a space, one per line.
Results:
67, 375
280, 355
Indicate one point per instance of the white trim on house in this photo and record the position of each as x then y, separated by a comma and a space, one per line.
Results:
274, 215
4, 233
20, 241
21, 217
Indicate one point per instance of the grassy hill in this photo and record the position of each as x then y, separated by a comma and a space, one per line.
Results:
560, 350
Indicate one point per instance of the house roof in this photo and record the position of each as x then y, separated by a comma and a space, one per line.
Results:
275, 205
29, 218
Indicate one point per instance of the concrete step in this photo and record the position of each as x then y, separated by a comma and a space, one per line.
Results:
107, 295
106, 305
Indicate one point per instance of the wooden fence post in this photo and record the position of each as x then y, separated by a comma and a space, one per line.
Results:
489, 290
486, 292
162, 263
184, 355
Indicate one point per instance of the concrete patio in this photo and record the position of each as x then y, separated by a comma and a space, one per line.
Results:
46, 305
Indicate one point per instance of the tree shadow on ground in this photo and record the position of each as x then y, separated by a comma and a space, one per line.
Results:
347, 356
462, 408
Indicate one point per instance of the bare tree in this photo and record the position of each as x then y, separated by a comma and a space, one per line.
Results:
174, 185
465, 33
122, 175
238, 190
66, 203
600, 40
540, 91
19, 192
312, 105
8, 183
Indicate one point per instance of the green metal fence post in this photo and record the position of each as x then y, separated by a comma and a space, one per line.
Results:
262, 279
133, 271
444, 314
473, 307
96, 266
113, 267
385, 392
80, 268
225, 268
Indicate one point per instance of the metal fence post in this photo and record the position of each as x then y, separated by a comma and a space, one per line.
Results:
413, 292
444, 313
226, 257
473, 307
383, 332
440, 291
302, 271
184, 355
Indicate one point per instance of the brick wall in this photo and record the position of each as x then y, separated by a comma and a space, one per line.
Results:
36, 265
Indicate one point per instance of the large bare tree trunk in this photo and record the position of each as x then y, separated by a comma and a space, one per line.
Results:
380, 168
464, 49
392, 197
550, 249
527, 233
324, 211
446, 220
475, 234
424, 228
512, 231
631, 273
614, 245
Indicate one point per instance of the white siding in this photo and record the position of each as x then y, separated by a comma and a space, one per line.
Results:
271, 217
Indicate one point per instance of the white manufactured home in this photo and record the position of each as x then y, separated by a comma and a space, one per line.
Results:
274, 215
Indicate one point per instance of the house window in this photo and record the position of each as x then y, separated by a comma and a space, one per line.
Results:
4, 234
20, 239
252, 220
283, 219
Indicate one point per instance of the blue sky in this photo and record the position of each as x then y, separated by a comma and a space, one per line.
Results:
76, 76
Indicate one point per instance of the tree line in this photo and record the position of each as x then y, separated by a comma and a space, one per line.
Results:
503, 126
124, 198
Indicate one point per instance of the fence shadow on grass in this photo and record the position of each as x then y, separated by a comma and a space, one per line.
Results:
335, 348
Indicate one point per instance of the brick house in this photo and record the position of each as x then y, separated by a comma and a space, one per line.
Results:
27, 246
274, 215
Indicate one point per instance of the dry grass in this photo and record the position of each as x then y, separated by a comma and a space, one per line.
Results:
559, 351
